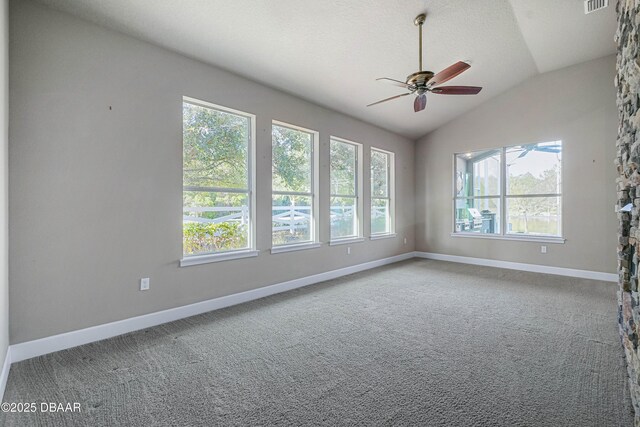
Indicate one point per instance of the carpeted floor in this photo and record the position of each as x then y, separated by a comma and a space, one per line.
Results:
415, 343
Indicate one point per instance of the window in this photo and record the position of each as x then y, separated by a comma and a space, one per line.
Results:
477, 192
346, 187
511, 191
533, 190
293, 184
217, 179
382, 188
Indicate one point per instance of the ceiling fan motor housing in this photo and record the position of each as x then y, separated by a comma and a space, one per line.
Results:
419, 78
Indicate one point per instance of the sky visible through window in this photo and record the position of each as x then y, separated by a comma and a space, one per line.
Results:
537, 161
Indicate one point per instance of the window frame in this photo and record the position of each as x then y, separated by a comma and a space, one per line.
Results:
314, 235
503, 196
359, 178
391, 194
250, 250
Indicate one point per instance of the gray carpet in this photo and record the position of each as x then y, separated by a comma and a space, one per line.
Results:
415, 343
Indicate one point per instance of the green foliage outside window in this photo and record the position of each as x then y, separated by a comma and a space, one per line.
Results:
208, 237
380, 219
215, 148
292, 151
215, 159
343, 182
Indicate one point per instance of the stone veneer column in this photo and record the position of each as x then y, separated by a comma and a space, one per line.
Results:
627, 161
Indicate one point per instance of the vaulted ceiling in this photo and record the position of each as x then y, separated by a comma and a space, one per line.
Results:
331, 51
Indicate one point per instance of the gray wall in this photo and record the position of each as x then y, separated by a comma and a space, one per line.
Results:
4, 175
576, 105
96, 194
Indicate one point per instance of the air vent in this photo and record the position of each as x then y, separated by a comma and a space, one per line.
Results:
593, 5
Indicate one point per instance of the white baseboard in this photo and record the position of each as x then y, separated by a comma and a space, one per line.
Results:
536, 268
39, 347
4, 375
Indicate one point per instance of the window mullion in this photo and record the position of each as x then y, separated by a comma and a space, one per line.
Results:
292, 193
525, 196
497, 196
216, 189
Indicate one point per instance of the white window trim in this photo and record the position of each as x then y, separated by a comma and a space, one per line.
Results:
315, 188
249, 251
346, 241
291, 247
381, 236
391, 184
503, 196
512, 237
217, 257
359, 190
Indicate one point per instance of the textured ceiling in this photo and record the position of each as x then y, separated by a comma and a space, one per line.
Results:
559, 34
331, 51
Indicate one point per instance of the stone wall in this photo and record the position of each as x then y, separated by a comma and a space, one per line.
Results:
627, 161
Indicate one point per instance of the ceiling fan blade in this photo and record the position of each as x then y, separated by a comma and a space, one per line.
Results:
448, 73
456, 90
388, 99
394, 82
419, 103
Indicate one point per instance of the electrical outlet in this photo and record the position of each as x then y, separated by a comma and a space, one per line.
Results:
405, 240
144, 284
348, 250
543, 249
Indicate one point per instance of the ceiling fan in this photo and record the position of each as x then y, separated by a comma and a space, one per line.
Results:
422, 82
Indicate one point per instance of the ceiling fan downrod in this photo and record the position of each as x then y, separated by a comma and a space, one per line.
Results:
419, 21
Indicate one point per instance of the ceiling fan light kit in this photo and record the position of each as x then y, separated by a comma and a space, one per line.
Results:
421, 82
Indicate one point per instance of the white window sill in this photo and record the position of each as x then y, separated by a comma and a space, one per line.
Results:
223, 256
346, 241
383, 236
295, 247
517, 238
